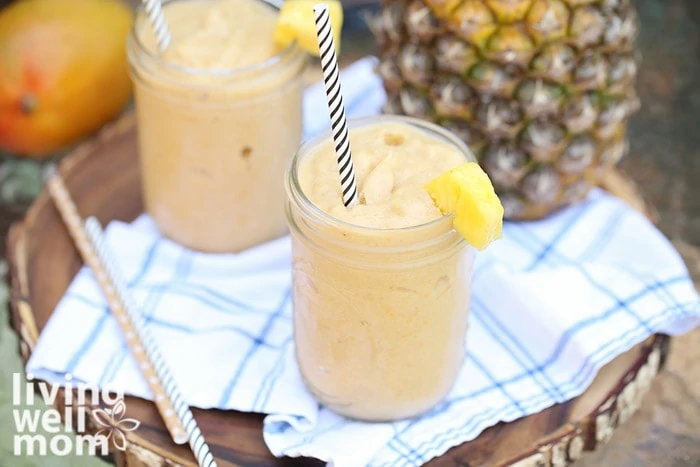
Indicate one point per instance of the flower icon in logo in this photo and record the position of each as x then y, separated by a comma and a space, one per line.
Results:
114, 424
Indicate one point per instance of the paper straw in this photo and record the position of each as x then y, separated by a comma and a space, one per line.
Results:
154, 11
109, 283
183, 412
89, 240
339, 124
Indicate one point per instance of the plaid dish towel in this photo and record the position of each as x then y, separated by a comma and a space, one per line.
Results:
553, 302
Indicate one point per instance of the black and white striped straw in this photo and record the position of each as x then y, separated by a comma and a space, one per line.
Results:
155, 14
339, 123
195, 438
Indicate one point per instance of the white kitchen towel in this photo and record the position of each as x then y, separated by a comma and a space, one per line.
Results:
553, 302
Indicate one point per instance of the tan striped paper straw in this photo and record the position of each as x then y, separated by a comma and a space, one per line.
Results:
89, 240
336, 108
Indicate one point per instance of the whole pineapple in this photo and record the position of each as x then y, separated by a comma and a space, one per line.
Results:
540, 90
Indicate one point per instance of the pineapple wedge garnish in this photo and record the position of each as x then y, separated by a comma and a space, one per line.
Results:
466, 191
295, 22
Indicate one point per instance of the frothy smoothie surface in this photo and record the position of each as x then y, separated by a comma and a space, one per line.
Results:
216, 34
393, 163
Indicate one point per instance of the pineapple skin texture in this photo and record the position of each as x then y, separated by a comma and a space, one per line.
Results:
540, 90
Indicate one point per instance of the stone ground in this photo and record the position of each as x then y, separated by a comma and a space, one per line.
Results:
665, 163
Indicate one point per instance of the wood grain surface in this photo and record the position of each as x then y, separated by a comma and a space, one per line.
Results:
103, 178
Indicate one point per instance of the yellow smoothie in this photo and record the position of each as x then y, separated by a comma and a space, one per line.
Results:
219, 115
381, 290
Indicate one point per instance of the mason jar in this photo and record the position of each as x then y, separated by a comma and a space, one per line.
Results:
214, 144
379, 315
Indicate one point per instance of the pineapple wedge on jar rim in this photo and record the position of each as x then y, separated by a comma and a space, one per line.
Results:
467, 192
295, 22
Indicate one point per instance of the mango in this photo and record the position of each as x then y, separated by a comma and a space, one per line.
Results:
63, 72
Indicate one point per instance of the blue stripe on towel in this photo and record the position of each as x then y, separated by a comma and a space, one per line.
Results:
176, 326
554, 358
582, 270
117, 358
253, 348
604, 353
270, 379
569, 333
215, 301
600, 242
315, 435
614, 347
182, 268
145, 266
448, 437
148, 261
552, 389
496, 383
576, 215
417, 457
662, 293
78, 355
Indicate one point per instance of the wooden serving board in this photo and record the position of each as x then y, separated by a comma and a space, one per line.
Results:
103, 178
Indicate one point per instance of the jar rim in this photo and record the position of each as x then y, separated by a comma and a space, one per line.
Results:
290, 50
295, 192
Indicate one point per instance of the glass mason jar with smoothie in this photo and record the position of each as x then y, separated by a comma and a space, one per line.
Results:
381, 290
219, 115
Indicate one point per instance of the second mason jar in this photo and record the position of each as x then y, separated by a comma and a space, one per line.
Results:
219, 115
379, 314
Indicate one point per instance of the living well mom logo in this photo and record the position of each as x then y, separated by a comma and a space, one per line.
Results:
40, 431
